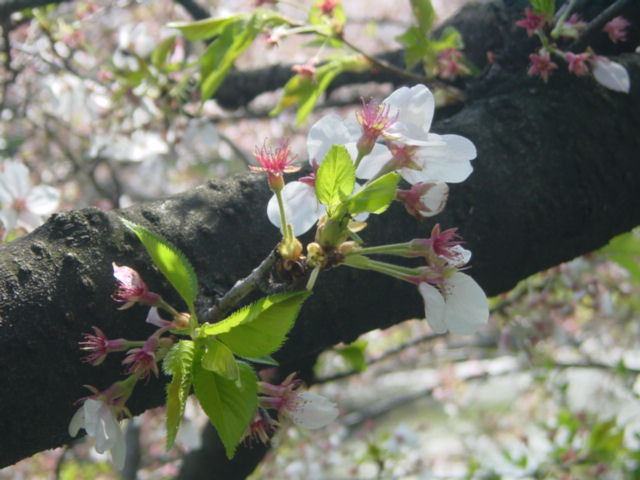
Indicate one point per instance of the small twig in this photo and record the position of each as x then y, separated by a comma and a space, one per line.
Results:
194, 9
240, 290
597, 23
234, 147
12, 73
356, 418
133, 454
59, 462
383, 356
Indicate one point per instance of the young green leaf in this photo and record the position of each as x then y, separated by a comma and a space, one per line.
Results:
354, 355
172, 262
260, 328
161, 52
546, 7
625, 251
375, 197
264, 360
336, 176
219, 358
305, 92
204, 29
177, 363
424, 13
230, 405
234, 39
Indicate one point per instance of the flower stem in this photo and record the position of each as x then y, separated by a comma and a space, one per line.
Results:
312, 278
400, 249
283, 216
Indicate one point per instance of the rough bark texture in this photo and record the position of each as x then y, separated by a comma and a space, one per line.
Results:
556, 176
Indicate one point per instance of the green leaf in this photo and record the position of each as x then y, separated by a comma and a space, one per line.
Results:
177, 363
230, 405
305, 92
204, 29
264, 360
625, 251
546, 7
423, 48
354, 355
219, 358
172, 262
375, 197
161, 52
260, 328
424, 13
234, 38
336, 176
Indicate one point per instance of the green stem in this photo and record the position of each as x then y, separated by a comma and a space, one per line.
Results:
358, 160
283, 216
390, 269
312, 278
400, 249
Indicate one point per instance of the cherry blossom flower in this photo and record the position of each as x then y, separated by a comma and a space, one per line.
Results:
541, 65
531, 22
611, 74
99, 415
132, 289
261, 428
305, 409
274, 162
440, 244
21, 205
375, 120
424, 199
571, 28
578, 63
306, 70
328, 6
142, 360
459, 306
616, 29
449, 64
99, 346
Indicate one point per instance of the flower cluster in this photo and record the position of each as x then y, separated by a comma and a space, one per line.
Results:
453, 300
100, 412
424, 159
610, 74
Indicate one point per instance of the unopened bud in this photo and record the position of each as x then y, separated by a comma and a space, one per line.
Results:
181, 320
316, 256
290, 249
348, 247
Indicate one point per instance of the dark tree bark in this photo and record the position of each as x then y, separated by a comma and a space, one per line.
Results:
556, 176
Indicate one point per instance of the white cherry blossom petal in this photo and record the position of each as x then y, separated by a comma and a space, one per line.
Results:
43, 200
447, 159
311, 411
372, 163
14, 181
434, 307
611, 75
328, 131
467, 307
414, 108
435, 199
77, 422
300, 205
